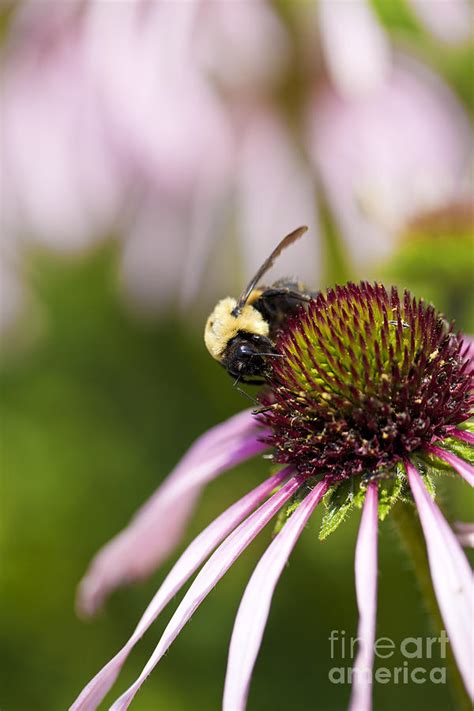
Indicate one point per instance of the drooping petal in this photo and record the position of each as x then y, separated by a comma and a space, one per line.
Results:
366, 589
158, 526
463, 468
462, 434
451, 575
465, 533
356, 49
255, 606
189, 561
211, 573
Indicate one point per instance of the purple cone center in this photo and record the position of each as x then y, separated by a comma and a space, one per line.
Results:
366, 378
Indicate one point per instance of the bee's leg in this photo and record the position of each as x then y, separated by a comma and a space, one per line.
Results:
253, 400
245, 381
251, 381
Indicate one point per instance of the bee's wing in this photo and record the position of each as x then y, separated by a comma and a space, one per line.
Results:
289, 239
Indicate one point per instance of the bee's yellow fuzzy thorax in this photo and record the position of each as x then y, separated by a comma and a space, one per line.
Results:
221, 326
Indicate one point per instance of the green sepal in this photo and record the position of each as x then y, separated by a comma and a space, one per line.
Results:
430, 485
390, 491
292, 505
467, 426
343, 497
283, 515
461, 449
427, 473
332, 519
339, 501
430, 464
435, 466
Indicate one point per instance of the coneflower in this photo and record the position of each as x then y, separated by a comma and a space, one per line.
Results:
368, 401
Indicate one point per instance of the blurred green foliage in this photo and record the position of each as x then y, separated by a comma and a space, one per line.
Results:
435, 261
453, 62
93, 418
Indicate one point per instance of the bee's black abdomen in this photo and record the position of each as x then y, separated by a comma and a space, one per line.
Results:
279, 301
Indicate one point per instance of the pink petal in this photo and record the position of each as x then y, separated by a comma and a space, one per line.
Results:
244, 46
366, 589
255, 606
211, 573
389, 155
158, 526
190, 560
266, 148
51, 119
450, 20
463, 434
465, 534
451, 575
206, 220
355, 47
463, 468
163, 117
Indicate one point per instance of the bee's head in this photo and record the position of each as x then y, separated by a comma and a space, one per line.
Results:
223, 325
245, 357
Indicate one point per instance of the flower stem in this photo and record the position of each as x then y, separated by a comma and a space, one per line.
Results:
408, 525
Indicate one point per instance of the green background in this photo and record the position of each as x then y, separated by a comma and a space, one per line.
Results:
98, 409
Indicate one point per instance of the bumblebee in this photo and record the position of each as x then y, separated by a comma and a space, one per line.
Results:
240, 334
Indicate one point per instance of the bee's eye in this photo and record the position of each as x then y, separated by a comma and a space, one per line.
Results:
244, 351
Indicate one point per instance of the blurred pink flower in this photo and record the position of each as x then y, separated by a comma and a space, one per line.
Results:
107, 126
173, 141
164, 119
450, 20
356, 49
274, 189
60, 183
113, 105
386, 156
465, 534
161, 123
242, 45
